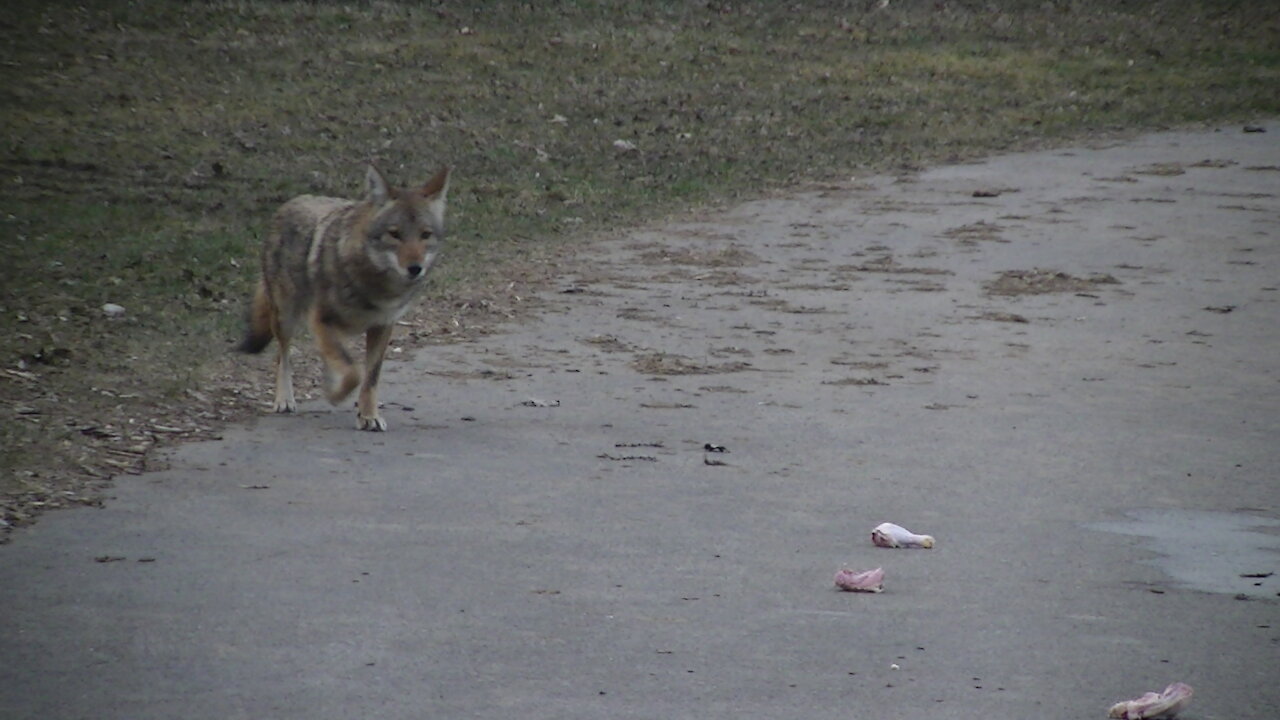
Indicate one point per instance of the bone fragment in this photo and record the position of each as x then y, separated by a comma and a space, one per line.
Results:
1151, 705
895, 536
866, 581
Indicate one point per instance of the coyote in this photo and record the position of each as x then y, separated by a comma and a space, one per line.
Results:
350, 267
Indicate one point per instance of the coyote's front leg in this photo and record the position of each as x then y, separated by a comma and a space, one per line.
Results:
341, 375
375, 349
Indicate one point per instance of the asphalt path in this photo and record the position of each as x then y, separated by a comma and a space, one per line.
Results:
1064, 365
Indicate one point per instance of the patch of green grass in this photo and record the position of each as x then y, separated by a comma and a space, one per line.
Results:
143, 146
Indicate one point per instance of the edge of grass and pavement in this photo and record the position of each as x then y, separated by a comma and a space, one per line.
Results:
146, 144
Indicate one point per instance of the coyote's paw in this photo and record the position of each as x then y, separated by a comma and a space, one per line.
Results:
286, 405
373, 424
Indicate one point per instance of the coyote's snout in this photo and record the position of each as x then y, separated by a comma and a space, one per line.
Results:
348, 267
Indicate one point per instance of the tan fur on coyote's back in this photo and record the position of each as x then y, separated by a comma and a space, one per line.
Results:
347, 267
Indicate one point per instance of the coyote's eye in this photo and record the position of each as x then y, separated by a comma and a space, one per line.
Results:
394, 232
426, 234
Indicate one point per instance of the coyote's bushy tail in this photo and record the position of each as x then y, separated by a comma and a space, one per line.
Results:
257, 335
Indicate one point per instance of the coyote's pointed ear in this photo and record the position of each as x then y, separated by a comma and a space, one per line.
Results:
376, 186
437, 187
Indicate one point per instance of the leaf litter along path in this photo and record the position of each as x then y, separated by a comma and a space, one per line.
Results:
488, 554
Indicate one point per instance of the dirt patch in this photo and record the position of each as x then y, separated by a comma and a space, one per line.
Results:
860, 364
639, 314
472, 374
783, 306
667, 406
917, 285
854, 382
670, 364
975, 232
821, 287
606, 343
731, 256
721, 278
887, 264
1160, 169
722, 389
1040, 282
1213, 163
1007, 317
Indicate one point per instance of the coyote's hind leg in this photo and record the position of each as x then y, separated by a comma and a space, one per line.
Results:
283, 332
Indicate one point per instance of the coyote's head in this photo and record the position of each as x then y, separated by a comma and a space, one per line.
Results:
406, 228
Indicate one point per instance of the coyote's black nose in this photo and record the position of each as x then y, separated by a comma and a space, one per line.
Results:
414, 270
